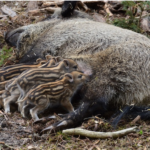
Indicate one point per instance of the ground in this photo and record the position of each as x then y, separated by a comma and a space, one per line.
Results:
19, 133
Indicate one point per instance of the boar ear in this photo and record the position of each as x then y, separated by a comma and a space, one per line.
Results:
58, 59
70, 77
66, 63
48, 57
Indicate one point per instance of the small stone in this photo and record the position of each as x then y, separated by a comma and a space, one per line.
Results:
8, 11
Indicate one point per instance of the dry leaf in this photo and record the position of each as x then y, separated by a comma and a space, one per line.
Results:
32, 5
99, 18
1, 142
8, 11
20, 121
145, 23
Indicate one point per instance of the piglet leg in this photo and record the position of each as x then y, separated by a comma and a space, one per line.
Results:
67, 105
8, 100
41, 106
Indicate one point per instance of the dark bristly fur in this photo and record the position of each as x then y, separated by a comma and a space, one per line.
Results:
68, 8
121, 114
131, 112
143, 112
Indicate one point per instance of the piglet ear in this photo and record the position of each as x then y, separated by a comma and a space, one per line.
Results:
54, 59
70, 77
61, 77
38, 60
66, 63
48, 57
58, 59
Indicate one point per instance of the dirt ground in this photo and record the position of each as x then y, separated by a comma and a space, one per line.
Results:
20, 134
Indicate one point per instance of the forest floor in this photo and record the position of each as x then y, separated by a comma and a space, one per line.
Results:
19, 134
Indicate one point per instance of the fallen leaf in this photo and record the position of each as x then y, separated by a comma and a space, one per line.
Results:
145, 23
1, 142
20, 121
97, 147
1, 112
3, 16
99, 18
8, 11
96, 142
145, 148
32, 147
32, 5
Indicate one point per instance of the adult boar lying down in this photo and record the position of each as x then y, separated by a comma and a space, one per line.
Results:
117, 59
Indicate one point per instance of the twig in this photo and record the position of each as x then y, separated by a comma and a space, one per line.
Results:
102, 135
107, 10
1, 112
10, 147
143, 16
136, 119
44, 10
51, 9
95, 117
47, 4
97, 147
5, 115
1, 92
25, 131
84, 6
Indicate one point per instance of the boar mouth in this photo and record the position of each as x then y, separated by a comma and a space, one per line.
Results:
11, 37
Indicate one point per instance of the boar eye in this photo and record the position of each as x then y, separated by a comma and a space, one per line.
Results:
75, 67
80, 76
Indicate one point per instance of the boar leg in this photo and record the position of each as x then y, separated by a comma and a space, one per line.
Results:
125, 110
75, 118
